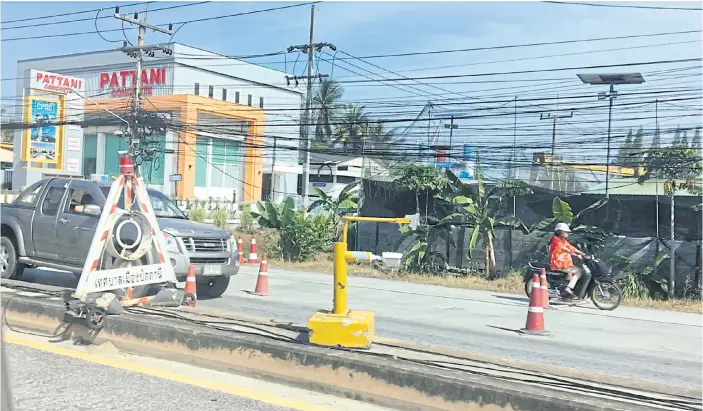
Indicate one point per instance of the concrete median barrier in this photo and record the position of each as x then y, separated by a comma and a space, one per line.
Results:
386, 381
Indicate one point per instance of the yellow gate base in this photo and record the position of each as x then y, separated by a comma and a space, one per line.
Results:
354, 330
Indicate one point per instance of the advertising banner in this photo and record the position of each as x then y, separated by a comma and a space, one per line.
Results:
44, 138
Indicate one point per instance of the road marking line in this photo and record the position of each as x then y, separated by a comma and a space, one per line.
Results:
167, 375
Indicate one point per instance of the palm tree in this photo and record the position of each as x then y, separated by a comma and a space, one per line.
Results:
351, 128
378, 137
326, 107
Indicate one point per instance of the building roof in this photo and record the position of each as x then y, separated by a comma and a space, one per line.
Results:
630, 187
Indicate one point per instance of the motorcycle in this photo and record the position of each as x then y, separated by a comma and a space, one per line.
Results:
602, 289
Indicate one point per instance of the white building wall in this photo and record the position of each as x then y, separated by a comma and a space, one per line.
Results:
184, 68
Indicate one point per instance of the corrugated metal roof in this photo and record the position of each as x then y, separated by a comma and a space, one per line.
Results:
630, 187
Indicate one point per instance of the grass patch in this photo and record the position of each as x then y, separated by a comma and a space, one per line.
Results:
510, 284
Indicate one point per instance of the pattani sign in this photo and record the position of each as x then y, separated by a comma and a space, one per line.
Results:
55, 83
121, 83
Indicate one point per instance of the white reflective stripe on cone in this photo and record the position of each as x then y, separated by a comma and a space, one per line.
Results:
253, 256
190, 279
535, 309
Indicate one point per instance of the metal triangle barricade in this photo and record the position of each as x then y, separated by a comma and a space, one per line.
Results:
128, 249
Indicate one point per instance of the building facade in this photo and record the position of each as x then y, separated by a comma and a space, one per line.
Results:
232, 127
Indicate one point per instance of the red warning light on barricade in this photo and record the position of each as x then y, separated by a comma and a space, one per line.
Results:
126, 165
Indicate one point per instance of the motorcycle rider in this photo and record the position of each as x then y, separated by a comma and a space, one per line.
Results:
560, 253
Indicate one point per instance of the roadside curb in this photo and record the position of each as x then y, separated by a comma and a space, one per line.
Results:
383, 381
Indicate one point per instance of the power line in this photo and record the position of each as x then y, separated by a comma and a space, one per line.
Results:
103, 17
548, 43
68, 14
177, 23
623, 6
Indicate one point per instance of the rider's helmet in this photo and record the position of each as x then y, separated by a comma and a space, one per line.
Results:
562, 227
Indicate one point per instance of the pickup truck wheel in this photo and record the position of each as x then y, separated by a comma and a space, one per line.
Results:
9, 266
212, 287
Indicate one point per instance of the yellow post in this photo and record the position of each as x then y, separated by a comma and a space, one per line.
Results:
343, 327
340, 279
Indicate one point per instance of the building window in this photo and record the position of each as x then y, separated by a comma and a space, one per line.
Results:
90, 155
236, 97
323, 178
152, 170
217, 159
345, 179
249, 100
261, 102
197, 89
224, 94
211, 91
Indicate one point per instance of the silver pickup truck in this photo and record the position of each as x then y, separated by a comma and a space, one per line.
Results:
44, 228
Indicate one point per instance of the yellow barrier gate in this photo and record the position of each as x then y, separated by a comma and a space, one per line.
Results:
343, 327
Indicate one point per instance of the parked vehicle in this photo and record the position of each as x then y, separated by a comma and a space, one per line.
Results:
602, 288
44, 228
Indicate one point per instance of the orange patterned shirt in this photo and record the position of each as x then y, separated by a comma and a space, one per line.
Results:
560, 254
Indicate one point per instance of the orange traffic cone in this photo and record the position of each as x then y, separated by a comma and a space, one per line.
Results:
253, 258
535, 312
545, 288
191, 294
262, 281
240, 250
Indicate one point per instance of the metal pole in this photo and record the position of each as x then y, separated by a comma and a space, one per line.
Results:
513, 174
308, 103
273, 170
656, 179
607, 156
451, 133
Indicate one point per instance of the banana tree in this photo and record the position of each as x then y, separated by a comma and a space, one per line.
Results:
423, 254
481, 209
345, 203
592, 236
270, 215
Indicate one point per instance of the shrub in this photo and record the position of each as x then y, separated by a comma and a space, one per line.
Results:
305, 236
197, 214
246, 221
220, 217
270, 243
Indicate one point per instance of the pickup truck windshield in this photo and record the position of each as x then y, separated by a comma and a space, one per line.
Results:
163, 207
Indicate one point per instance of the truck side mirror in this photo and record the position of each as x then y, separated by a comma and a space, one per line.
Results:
92, 209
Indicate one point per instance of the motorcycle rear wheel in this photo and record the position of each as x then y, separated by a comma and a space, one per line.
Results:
613, 299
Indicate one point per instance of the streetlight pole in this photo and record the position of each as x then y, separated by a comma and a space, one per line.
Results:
611, 96
611, 80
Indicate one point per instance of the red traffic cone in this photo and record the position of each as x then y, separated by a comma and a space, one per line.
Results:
262, 281
240, 250
535, 312
191, 294
253, 258
545, 288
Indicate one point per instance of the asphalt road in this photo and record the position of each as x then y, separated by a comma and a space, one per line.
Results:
46, 376
656, 346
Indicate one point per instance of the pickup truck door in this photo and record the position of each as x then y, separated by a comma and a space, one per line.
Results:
44, 225
75, 229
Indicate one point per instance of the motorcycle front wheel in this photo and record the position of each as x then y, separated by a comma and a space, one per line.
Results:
606, 295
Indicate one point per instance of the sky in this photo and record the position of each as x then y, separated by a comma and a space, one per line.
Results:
380, 28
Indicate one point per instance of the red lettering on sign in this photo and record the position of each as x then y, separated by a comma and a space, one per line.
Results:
148, 77
39, 76
124, 75
104, 79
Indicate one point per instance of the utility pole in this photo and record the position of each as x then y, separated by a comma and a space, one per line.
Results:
513, 171
138, 53
554, 118
310, 50
273, 170
451, 126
